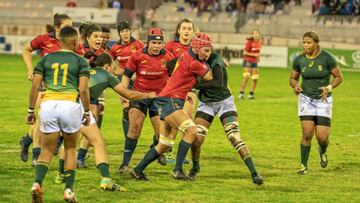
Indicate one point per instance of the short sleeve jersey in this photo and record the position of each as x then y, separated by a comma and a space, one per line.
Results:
122, 53
252, 47
61, 71
184, 76
151, 71
47, 43
100, 79
176, 48
220, 93
315, 72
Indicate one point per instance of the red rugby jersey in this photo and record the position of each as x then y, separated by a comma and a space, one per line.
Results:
184, 76
47, 43
254, 48
176, 48
151, 72
122, 53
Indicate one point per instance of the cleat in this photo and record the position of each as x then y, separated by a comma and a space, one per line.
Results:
170, 158
138, 176
323, 158
180, 175
162, 160
81, 164
60, 178
257, 179
108, 185
123, 169
24, 152
193, 174
251, 97
302, 170
69, 196
241, 96
36, 193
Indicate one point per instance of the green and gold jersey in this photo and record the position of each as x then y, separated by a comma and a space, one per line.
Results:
100, 79
61, 71
315, 72
221, 91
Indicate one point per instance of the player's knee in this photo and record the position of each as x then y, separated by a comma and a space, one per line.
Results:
255, 77
233, 135
165, 143
246, 75
188, 126
201, 132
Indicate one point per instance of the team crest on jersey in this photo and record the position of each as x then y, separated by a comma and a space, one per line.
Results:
49, 45
119, 50
143, 61
303, 69
177, 49
133, 48
311, 63
163, 63
320, 68
92, 72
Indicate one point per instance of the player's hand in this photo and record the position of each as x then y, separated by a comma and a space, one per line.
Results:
30, 75
297, 89
86, 119
124, 100
152, 95
30, 118
325, 92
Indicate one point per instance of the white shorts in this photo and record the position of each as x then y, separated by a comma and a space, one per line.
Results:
218, 108
314, 107
60, 115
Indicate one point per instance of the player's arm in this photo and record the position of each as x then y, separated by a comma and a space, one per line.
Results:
131, 95
216, 82
208, 76
85, 97
338, 78
294, 81
33, 94
27, 57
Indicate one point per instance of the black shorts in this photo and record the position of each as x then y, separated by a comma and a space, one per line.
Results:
167, 106
144, 105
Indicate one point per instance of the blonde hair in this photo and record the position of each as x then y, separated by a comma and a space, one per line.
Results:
313, 35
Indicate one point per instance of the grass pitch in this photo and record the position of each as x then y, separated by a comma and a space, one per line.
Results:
269, 125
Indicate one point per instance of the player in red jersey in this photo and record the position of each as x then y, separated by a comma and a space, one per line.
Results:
181, 44
46, 43
251, 58
170, 106
93, 44
149, 64
122, 51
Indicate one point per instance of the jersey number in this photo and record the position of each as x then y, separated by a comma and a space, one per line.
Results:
64, 67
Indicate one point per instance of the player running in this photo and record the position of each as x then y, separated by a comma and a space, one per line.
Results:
66, 77
315, 66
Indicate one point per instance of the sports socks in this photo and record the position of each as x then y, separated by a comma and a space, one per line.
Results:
36, 153
82, 154
155, 141
40, 172
61, 166
149, 157
323, 148
27, 140
249, 163
305, 152
104, 170
130, 146
99, 121
69, 179
181, 155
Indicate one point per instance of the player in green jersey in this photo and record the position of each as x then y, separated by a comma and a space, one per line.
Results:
216, 98
315, 66
100, 79
66, 77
